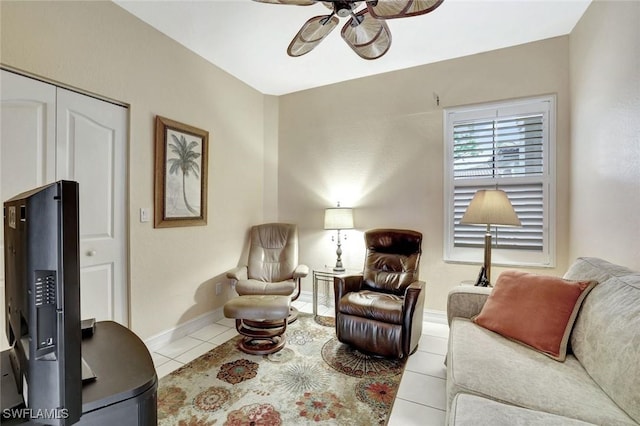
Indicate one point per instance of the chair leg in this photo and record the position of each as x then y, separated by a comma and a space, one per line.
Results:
261, 337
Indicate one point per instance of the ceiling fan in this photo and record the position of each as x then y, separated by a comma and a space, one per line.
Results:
366, 32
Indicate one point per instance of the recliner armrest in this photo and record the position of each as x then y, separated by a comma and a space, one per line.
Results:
414, 296
344, 284
413, 290
466, 301
301, 271
238, 273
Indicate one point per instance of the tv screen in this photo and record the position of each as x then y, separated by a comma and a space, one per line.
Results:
42, 297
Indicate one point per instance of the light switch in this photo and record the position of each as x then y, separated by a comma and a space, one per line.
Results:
144, 215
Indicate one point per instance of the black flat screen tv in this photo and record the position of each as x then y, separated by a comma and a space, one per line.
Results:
42, 298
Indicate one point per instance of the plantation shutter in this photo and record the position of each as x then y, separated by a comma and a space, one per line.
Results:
527, 201
499, 148
503, 147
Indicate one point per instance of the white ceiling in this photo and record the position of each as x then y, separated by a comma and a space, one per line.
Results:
249, 39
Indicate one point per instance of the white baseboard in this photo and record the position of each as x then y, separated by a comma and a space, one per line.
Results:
305, 297
184, 329
195, 324
431, 315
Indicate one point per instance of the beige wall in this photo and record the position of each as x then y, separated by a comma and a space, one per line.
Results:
100, 48
373, 143
376, 144
605, 133
271, 135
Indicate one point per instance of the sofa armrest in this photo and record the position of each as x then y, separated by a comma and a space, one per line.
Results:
466, 301
238, 273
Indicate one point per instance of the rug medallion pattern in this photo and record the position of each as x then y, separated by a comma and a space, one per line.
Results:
314, 380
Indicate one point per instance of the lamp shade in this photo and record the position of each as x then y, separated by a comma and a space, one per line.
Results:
338, 218
490, 207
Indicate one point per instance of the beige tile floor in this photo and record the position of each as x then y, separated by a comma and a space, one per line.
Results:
421, 397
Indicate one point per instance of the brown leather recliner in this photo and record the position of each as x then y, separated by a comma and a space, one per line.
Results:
380, 311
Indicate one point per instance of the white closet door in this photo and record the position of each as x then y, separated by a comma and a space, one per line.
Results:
28, 139
47, 134
27, 147
91, 149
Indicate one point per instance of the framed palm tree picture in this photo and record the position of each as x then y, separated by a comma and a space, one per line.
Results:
181, 153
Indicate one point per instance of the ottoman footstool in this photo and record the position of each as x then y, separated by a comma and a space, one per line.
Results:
261, 320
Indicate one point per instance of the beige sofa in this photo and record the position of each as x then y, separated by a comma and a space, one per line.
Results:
492, 380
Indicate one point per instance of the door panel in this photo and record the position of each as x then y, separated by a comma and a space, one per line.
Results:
48, 133
97, 291
27, 136
27, 146
91, 141
92, 162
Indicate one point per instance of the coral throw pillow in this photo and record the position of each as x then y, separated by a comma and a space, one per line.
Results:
536, 310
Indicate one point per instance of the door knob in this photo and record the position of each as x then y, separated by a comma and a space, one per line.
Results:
91, 253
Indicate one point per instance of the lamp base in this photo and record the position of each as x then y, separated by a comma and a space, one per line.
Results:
482, 280
338, 267
486, 267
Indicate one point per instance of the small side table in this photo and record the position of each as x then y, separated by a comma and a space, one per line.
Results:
326, 275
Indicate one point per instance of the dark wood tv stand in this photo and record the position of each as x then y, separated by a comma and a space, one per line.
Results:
125, 389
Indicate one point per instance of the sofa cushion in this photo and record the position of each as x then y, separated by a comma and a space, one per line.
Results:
607, 341
536, 310
484, 363
593, 268
471, 410
606, 335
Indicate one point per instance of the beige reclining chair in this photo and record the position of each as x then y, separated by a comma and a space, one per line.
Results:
272, 267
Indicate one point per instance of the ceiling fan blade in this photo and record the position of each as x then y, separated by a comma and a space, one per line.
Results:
390, 9
311, 34
328, 5
368, 37
294, 2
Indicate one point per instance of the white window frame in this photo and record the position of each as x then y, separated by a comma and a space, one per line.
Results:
505, 257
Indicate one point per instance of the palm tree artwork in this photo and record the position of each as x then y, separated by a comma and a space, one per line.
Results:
185, 162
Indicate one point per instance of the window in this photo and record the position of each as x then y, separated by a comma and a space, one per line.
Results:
508, 146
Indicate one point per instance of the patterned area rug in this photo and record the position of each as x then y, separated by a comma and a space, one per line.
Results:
314, 380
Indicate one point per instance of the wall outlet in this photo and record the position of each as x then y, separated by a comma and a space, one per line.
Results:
218, 289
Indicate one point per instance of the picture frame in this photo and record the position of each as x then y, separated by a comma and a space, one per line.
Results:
180, 181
